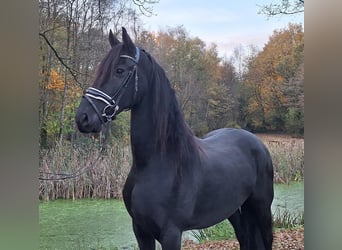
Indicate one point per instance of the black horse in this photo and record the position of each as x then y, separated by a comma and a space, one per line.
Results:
177, 181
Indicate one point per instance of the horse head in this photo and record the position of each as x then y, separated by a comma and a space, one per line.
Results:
119, 85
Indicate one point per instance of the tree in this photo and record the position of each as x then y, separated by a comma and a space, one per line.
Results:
282, 7
73, 41
274, 81
145, 6
204, 84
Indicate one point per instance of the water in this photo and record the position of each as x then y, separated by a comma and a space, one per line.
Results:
289, 197
105, 224
85, 224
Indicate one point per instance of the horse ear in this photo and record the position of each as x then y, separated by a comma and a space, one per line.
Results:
127, 41
112, 39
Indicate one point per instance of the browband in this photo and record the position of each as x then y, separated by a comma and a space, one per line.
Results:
137, 55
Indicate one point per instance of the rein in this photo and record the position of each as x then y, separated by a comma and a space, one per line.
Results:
64, 176
112, 102
49, 176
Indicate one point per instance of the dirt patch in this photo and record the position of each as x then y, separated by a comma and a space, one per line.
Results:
284, 239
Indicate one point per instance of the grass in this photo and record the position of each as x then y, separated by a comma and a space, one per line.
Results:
286, 219
287, 156
220, 231
107, 177
104, 180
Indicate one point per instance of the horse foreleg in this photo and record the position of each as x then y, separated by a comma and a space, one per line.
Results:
239, 228
145, 240
171, 238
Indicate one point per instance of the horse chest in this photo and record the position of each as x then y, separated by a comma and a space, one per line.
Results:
148, 198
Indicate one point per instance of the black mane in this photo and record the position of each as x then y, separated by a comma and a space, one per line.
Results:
173, 135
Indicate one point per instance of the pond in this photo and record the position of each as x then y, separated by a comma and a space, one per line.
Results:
105, 224
85, 224
289, 197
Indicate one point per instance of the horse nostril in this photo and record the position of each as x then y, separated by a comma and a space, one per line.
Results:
84, 119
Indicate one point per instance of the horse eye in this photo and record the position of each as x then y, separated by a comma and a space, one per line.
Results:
120, 70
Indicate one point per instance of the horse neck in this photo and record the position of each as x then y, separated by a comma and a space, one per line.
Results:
142, 136
178, 144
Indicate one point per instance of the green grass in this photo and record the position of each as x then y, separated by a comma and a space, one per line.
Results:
220, 231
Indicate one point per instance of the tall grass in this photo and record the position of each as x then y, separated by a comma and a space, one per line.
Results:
104, 179
107, 177
287, 156
286, 219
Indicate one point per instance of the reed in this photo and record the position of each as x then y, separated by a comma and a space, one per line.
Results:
107, 177
287, 156
286, 219
104, 180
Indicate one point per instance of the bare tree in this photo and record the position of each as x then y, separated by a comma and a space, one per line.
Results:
72, 43
145, 6
282, 7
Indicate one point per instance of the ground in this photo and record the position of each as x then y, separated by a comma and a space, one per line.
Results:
284, 239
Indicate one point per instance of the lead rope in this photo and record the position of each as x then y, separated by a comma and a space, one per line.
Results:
49, 176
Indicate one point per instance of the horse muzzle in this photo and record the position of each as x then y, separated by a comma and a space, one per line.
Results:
87, 121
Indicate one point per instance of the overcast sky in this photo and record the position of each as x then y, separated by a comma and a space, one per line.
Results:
227, 23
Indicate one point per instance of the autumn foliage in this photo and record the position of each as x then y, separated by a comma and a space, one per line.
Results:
260, 90
266, 96
274, 83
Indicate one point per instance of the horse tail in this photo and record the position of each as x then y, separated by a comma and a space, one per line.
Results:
261, 200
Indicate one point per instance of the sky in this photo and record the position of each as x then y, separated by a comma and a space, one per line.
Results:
227, 23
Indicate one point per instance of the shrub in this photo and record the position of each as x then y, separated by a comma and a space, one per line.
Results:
294, 121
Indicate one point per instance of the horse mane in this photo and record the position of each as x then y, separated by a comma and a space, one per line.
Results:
173, 135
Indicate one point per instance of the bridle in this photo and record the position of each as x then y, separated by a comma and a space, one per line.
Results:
112, 102
108, 112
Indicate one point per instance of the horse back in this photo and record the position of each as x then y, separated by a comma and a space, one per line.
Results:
232, 160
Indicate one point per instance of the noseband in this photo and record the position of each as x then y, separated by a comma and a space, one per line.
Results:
112, 103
